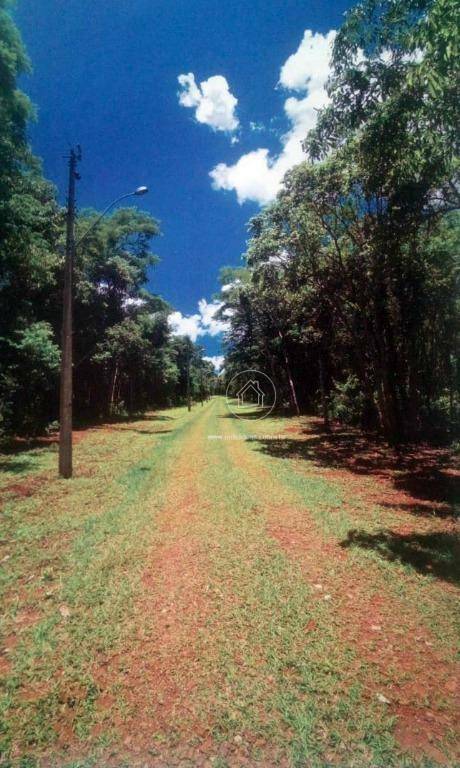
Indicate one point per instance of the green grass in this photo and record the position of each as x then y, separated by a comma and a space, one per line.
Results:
287, 685
275, 671
338, 511
79, 545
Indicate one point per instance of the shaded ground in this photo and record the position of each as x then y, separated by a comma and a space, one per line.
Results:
426, 476
394, 659
195, 598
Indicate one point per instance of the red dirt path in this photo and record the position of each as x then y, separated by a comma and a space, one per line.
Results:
421, 682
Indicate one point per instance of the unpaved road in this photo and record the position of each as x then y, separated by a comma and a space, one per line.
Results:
210, 591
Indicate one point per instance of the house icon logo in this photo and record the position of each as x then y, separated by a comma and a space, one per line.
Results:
251, 388
250, 394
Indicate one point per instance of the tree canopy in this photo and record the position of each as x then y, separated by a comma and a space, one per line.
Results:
349, 296
125, 358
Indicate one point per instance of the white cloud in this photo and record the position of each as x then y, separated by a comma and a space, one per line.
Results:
182, 325
208, 319
252, 177
257, 175
202, 323
216, 360
309, 65
212, 100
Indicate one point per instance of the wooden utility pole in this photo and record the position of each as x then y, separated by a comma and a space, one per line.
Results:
189, 394
65, 406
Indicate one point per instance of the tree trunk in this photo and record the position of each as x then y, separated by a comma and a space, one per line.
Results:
289, 375
131, 395
324, 392
113, 387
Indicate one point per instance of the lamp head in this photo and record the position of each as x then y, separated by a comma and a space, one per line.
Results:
141, 191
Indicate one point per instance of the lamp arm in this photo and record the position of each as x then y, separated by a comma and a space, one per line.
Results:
96, 222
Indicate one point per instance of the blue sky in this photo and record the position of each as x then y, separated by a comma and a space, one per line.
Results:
105, 75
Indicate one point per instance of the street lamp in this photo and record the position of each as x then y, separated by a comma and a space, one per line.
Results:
66, 389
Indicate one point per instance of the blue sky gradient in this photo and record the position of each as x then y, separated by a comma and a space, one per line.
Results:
105, 76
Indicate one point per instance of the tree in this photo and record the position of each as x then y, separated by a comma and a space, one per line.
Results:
125, 358
30, 221
352, 269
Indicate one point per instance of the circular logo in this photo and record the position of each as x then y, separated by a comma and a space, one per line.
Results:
250, 395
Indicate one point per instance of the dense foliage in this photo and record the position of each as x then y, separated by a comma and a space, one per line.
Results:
125, 358
349, 294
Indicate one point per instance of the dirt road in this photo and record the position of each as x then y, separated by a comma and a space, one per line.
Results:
211, 591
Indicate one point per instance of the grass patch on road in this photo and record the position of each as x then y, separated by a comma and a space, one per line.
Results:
230, 639
416, 556
72, 554
289, 682
304, 504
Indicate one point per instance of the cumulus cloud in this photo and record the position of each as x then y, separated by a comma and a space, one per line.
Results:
257, 175
253, 177
184, 325
202, 323
208, 317
216, 360
212, 100
309, 65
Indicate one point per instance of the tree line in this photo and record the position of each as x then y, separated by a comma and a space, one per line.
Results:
125, 358
348, 296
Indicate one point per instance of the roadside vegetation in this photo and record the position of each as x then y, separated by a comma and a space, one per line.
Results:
209, 590
125, 358
349, 295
